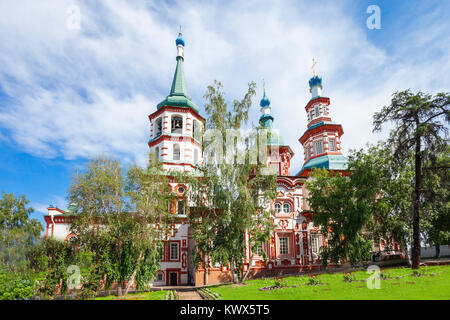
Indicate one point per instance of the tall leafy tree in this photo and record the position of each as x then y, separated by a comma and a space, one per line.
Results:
343, 206
117, 214
232, 195
436, 222
17, 231
392, 220
420, 130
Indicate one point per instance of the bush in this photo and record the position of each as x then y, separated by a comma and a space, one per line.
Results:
349, 277
280, 283
13, 287
418, 273
314, 281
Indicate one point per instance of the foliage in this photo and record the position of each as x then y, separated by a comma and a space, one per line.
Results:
17, 231
53, 257
348, 277
420, 132
391, 219
117, 215
13, 287
436, 215
231, 198
314, 281
342, 206
280, 282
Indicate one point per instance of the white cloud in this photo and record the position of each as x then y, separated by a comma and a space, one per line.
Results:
81, 93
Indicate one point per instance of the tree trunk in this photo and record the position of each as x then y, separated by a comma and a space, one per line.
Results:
404, 248
119, 288
133, 276
248, 269
233, 273
416, 205
438, 250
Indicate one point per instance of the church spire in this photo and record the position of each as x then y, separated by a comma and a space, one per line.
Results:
266, 118
178, 92
178, 83
315, 83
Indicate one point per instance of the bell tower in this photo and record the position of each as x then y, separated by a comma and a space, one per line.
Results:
176, 127
322, 139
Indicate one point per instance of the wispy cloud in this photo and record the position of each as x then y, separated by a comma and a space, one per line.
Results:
78, 93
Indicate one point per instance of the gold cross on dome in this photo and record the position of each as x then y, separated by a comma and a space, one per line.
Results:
180, 30
314, 66
264, 85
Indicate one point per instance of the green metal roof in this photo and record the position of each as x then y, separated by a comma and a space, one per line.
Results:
178, 96
328, 161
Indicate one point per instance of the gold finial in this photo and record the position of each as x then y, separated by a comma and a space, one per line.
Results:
264, 85
314, 66
180, 30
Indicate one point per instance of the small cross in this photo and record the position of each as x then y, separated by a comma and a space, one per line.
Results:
180, 29
264, 85
314, 66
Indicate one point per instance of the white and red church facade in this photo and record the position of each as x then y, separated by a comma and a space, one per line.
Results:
175, 139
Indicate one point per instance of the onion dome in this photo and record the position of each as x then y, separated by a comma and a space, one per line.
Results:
315, 81
180, 40
264, 101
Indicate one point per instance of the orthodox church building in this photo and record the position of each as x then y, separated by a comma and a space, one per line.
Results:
175, 131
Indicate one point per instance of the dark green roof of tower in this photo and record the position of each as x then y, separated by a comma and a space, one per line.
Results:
178, 96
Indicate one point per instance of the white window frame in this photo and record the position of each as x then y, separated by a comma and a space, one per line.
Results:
181, 201
288, 206
317, 111
317, 144
315, 243
275, 207
284, 245
173, 245
332, 142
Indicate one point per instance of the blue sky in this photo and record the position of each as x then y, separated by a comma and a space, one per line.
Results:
68, 95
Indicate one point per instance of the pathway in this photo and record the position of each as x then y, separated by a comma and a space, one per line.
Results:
189, 295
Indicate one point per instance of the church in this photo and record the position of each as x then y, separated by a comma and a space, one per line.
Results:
174, 140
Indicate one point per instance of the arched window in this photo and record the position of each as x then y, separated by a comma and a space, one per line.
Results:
277, 207
158, 127
177, 124
157, 153
176, 152
317, 111
310, 114
286, 208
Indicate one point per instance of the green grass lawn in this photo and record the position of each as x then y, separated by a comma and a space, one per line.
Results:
152, 295
333, 287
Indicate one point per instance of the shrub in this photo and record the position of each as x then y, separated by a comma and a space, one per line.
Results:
280, 283
349, 277
418, 273
13, 287
314, 281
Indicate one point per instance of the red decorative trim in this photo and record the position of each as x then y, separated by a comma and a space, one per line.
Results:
321, 100
326, 127
70, 235
175, 109
168, 271
166, 137
317, 120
